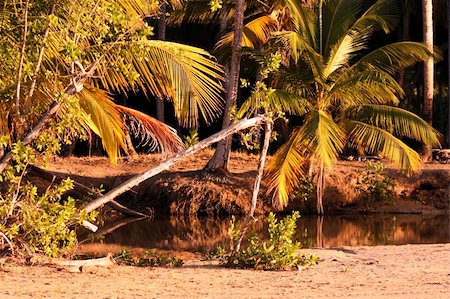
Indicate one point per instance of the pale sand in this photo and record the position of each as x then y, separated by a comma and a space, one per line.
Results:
407, 271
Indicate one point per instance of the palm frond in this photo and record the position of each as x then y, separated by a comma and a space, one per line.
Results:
393, 57
153, 134
338, 15
365, 87
341, 52
378, 141
186, 75
324, 136
274, 100
256, 32
383, 14
399, 122
104, 119
285, 169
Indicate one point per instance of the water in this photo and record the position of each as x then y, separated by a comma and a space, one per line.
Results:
329, 231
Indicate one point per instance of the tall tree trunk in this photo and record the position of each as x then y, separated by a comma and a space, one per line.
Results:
161, 36
427, 15
222, 153
320, 188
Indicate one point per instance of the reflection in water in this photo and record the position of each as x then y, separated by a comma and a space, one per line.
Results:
329, 231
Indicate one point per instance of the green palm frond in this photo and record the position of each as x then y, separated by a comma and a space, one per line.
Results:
338, 16
184, 74
286, 168
104, 119
274, 100
383, 14
304, 21
153, 134
256, 32
393, 57
376, 140
365, 87
324, 136
399, 122
342, 51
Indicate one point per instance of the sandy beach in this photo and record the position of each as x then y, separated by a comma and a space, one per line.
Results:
407, 271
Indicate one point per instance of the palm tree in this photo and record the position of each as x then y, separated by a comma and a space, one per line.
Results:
428, 70
349, 95
108, 39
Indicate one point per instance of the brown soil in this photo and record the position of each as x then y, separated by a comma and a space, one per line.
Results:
185, 189
407, 271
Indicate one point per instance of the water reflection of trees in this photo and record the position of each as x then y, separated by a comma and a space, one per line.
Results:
195, 234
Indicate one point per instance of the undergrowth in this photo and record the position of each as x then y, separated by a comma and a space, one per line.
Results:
280, 251
152, 259
375, 187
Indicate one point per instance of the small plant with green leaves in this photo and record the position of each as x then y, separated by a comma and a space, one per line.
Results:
280, 251
191, 139
152, 259
375, 187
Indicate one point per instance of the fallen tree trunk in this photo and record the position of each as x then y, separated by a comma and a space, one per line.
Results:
136, 180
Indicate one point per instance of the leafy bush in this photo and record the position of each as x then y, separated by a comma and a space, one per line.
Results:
375, 187
280, 251
152, 260
33, 221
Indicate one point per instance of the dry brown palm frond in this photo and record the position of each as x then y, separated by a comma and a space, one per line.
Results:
153, 134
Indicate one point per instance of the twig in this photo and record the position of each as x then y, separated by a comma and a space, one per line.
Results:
7, 241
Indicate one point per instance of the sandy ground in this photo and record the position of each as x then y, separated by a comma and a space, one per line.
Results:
407, 271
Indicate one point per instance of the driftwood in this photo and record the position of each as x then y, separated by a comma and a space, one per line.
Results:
136, 180
78, 265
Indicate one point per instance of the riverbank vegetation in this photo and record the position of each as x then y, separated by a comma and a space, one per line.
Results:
80, 76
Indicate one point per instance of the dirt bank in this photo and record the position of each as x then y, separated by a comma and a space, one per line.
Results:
408, 271
186, 189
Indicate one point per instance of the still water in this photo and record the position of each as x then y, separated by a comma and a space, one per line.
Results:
312, 231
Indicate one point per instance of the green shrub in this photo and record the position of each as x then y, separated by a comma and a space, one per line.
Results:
152, 259
375, 187
32, 221
280, 251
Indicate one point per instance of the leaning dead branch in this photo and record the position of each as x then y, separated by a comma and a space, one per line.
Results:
262, 163
136, 180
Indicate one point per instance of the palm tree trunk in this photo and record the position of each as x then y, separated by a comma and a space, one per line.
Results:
427, 14
222, 153
320, 188
161, 36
